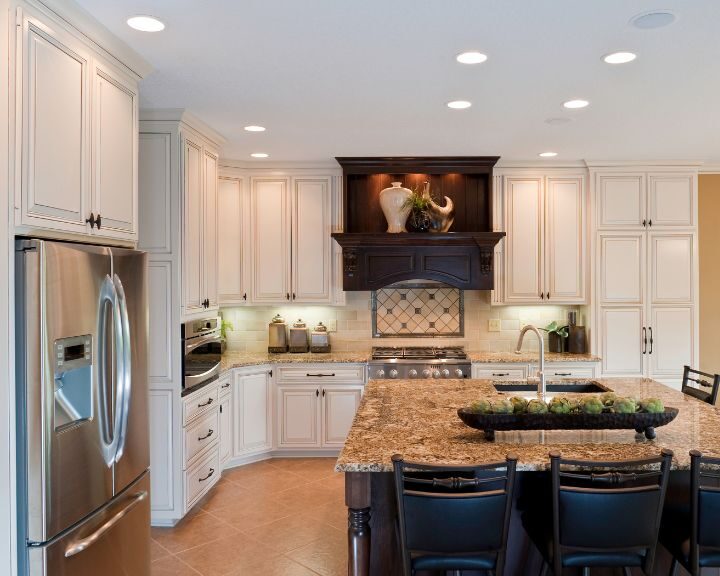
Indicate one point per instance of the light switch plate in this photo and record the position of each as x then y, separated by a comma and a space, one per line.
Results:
494, 325
332, 325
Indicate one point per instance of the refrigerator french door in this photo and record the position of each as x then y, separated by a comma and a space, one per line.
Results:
83, 453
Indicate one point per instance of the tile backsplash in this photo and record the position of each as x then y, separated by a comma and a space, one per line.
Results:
417, 310
354, 324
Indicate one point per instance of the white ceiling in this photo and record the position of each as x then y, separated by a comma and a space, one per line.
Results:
371, 77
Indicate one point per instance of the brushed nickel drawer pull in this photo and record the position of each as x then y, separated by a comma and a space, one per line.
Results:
210, 433
212, 471
319, 375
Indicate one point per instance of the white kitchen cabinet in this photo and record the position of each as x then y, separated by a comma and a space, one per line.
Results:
252, 413
115, 153
339, 405
621, 262
671, 267
232, 225
647, 200
210, 228
226, 422
77, 138
545, 245
499, 371
298, 416
623, 346
671, 341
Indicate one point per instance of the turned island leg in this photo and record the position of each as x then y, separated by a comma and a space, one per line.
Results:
357, 499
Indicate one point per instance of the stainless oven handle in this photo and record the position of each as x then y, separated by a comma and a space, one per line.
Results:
85, 543
204, 376
197, 342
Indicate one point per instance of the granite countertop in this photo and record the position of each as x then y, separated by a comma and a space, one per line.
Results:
419, 420
528, 357
240, 359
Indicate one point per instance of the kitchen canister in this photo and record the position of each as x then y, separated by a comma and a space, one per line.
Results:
277, 335
299, 337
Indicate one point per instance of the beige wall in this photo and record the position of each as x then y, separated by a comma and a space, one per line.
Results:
354, 324
709, 232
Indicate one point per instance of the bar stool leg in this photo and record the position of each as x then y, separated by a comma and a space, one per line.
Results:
544, 569
627, 571
586, 571
674, 567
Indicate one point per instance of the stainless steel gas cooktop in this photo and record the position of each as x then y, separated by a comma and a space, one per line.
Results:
419, 362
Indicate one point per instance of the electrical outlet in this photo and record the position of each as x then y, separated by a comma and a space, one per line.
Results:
494, 325
332, 325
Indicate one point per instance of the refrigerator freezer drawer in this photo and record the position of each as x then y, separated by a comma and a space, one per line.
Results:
115, 541
200, 435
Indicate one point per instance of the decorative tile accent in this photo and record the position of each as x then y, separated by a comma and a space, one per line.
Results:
417, 310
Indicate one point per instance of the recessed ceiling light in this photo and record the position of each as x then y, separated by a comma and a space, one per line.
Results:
253, 128
577, 103
558, 121
459, 104
259, 155
619, 57
547, 154
653, 19
472, 57
145, 23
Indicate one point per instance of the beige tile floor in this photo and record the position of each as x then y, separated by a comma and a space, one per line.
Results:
281, 517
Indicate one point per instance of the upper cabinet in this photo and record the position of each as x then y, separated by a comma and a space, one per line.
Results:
76, 135
545, 247
232, 225
646, 199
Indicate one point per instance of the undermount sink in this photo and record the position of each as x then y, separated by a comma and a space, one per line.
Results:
568, 387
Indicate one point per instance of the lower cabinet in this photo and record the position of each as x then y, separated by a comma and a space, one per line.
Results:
251, 412
225, 428
316, 416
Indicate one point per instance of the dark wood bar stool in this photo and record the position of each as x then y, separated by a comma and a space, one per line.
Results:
604, 514
691, 534
700, 385
454, 517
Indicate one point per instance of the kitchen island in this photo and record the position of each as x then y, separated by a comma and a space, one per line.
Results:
418, 419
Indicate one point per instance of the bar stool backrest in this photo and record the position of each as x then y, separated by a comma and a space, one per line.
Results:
608, 506
705, 499
454, 509
700, 385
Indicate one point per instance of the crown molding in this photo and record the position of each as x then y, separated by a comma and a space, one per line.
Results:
539, 164
184, 116
642, 163
95, 34
709, 169
279, 168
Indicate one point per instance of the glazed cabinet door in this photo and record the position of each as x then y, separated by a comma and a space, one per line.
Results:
672, 199
565, 244
298, 416
251, 417
270, 224
671, 268
225, 428
524, 217
622, 262
231, 214
54, 146
624, 344
311, 249
210, 229
621, 200
339, 404
671, 341
115, 129
193, 220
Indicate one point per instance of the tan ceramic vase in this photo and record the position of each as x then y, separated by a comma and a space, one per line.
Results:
391, 201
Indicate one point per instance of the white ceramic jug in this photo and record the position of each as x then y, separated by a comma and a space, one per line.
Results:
392, 201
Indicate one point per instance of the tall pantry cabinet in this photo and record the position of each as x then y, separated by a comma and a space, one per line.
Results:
646, 271
178, 181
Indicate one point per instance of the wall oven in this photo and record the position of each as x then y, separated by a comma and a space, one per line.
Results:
201, 352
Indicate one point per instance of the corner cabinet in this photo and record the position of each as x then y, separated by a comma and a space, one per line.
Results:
252, 412
545, 248
76, 120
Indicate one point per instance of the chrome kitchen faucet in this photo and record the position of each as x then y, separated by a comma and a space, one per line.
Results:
541, 365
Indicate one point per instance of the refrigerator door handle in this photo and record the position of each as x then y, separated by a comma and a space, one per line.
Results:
124, 387
110, 437
85, 543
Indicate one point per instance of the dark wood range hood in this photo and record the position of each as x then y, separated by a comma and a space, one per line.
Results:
463, 257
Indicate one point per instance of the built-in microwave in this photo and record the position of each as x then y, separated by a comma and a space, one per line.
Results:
201, 344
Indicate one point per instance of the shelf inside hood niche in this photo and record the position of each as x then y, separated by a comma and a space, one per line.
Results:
464, 260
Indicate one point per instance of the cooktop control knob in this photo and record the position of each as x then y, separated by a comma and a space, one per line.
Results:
436, 374
412, 373
426, 373
380, 374
393, 373
446, 373
459, 373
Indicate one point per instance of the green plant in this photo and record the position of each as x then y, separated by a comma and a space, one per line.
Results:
417, 201
553, 328
226, 325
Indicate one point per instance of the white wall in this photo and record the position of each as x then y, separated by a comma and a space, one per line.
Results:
7, 381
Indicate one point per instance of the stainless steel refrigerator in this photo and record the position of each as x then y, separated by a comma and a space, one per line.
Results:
83, 453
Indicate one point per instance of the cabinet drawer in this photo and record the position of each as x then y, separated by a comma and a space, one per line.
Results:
571, 372
199, 402
499, 373
322, 374
201, 434
225, 386
201, 477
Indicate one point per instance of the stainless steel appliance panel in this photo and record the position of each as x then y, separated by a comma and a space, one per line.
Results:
67, 473
115, 541
201, 342
129, 268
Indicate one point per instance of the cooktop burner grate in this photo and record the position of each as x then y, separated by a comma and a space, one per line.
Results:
419, 353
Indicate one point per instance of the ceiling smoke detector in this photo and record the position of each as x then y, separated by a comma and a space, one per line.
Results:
653, 19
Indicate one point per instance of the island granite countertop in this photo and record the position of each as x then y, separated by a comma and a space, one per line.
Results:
418, 419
